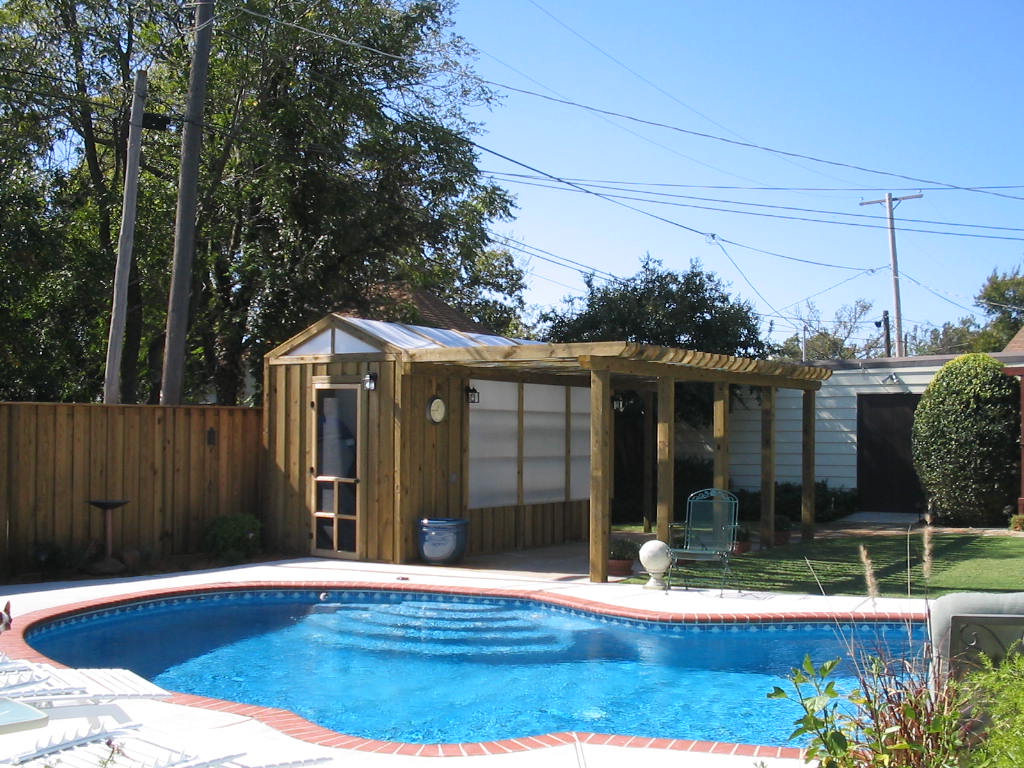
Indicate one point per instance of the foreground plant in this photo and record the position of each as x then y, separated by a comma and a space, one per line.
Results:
998, 690
895, 718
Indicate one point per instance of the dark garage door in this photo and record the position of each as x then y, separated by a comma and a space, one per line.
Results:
886, 480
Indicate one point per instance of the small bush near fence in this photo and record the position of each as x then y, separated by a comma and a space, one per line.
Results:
232, 537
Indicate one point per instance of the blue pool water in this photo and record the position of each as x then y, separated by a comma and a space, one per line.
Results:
428, 668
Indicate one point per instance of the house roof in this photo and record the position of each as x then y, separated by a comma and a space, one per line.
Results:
339, 336
400, 302
1016, 344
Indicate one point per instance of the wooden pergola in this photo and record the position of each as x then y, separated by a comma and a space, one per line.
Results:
607, 366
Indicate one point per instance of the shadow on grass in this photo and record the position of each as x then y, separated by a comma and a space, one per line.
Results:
833, 566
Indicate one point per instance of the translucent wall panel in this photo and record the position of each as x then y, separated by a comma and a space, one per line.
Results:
543, 443
579, 441
332, 342
494, 444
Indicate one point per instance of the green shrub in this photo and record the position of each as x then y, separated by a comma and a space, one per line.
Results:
623, 548
964, 440
829, 503
1017, 523
998, 692
232, 537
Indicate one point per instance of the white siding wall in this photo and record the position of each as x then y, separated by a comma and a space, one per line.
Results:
835, 455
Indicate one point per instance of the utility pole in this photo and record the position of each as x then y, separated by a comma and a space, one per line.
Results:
125, 242
185, 218
888, 334
901, 350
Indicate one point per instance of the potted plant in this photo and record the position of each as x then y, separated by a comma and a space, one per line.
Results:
622, 552
783, 530
742, 543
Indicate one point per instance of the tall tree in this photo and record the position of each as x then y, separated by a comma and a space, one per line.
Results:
688, 309
841, 339
1001, 298
949, 339
336, 158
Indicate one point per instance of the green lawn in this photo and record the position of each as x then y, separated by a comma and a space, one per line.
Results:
960, 562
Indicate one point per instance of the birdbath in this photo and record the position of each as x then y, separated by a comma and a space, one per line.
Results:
109, 564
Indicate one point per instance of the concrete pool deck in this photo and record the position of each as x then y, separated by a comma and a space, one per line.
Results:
212, 727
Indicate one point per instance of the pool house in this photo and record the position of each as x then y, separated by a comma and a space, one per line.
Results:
371, 426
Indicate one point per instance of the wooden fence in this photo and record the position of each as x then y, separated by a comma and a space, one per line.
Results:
177, 467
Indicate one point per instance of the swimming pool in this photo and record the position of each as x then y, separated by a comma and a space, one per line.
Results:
424, 667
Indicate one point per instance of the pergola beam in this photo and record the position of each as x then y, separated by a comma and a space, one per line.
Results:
681, 372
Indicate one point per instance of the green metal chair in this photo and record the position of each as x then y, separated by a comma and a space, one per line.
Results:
709, 531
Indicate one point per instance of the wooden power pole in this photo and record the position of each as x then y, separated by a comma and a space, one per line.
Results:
901, 350
125, 242
185, 218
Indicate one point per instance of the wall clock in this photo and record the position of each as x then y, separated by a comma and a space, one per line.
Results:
436, 410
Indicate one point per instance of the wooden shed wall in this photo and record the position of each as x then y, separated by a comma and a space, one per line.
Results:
500, 529
288, 442
433, 456
177, 466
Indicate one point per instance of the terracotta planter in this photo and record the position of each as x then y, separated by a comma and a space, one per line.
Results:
741, 547
782, 538
620, 567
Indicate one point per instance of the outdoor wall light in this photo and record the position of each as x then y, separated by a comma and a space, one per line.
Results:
370, 381
472, 396
618, 403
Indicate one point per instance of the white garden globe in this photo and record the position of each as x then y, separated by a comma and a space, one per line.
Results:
656, 559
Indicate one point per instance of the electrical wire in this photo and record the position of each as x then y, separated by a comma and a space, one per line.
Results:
899, 228
872, 217
759, 189
747, 144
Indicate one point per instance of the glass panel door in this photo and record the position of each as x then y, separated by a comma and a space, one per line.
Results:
336, 471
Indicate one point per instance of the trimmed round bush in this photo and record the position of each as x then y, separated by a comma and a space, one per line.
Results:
965, 441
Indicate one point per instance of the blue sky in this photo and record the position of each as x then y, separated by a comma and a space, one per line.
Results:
930, 90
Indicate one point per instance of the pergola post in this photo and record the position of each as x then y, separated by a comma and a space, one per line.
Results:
807, 469
650, 447
601, 469
767, 532
666, 454
720, 429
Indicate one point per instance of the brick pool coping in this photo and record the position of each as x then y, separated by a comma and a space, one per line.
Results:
14, 645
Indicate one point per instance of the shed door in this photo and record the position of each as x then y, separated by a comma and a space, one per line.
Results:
336, 496
886, 479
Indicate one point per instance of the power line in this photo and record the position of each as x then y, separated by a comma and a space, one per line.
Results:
762, 189
746, 144
611, 113
783, 217
611, 187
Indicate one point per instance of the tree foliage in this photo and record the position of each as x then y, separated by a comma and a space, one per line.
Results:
965, 440
1001, 298
689, 310
841, 339
335, 160
950, 339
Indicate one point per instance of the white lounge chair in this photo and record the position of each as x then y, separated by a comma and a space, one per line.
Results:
128, 746
47, 685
